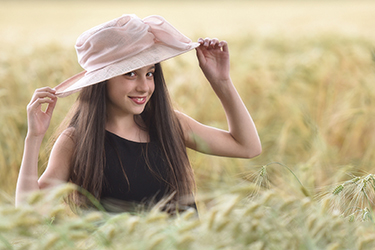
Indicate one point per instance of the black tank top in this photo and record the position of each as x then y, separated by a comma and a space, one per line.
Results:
144, 178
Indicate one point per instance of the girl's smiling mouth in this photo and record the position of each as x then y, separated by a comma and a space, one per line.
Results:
139, 99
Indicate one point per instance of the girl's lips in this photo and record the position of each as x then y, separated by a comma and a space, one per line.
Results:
139, 99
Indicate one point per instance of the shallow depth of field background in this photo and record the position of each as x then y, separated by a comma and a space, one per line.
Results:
305, 70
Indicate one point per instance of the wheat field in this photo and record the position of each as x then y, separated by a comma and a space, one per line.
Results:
305, 70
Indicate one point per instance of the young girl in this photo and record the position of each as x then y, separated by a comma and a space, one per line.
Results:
124, 141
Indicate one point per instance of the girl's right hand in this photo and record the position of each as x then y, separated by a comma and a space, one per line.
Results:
38, 120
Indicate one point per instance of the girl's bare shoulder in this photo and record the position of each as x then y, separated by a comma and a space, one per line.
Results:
65, 141
59, 163
68, 133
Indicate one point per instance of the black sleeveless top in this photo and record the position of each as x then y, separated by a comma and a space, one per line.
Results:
144, 179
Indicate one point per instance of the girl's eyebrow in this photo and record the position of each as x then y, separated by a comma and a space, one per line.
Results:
152, 67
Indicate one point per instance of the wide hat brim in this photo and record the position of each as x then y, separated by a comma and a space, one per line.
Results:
155, 54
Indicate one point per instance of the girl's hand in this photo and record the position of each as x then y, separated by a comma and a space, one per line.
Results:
38, 120
213, 57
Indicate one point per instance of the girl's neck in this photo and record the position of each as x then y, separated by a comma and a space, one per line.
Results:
128, 128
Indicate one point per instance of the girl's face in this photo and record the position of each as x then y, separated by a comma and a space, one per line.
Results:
128, 94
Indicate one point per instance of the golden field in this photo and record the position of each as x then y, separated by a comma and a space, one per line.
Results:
305, 70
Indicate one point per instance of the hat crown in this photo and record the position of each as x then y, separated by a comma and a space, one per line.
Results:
123, 38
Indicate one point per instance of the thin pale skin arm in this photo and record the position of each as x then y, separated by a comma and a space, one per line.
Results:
56, 173
241, 139
38, 123
28, 174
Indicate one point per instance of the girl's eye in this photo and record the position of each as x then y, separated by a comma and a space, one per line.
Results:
130, 74
150, 74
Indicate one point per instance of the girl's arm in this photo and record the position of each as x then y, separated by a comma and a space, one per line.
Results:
241, 139
38, 123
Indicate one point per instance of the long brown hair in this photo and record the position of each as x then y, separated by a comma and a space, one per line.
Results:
89, 122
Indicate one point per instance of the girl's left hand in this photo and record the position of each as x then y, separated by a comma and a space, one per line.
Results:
213, 57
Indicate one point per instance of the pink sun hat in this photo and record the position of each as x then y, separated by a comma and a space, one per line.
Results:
123, 45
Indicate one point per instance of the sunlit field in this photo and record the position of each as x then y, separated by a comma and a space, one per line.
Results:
305, 70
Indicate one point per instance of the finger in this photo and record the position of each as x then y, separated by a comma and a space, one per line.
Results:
224, 46
200, 55
34, 104
200, 40
206, 42
44, 94
214, 42
51, 106
45, 89
38, 102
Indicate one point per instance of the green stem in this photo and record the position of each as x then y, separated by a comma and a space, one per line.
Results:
288, 170
92, 199
303, 188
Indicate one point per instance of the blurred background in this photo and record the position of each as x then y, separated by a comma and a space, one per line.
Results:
305, 70
43, 22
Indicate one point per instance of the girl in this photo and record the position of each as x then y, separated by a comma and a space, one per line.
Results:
124, 141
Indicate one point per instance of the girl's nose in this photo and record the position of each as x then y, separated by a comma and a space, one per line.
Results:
142, 85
